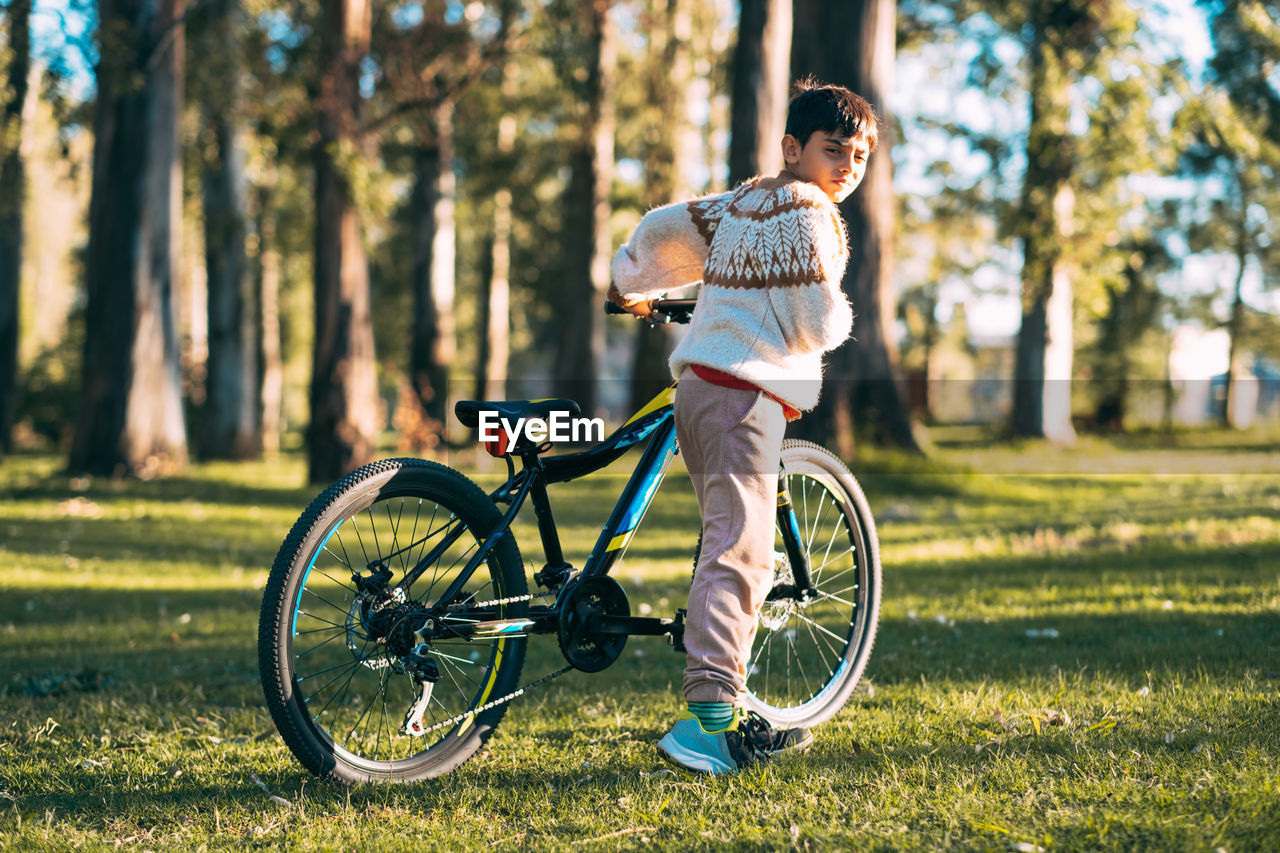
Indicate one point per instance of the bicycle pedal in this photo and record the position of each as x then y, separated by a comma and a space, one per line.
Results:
553, 577
676, 637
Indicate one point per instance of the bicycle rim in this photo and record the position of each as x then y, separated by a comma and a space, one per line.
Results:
353, 690
807, 657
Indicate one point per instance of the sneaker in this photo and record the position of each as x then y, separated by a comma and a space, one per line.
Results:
691, 746
769, 741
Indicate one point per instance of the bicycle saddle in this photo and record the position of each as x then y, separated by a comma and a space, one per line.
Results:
468, 411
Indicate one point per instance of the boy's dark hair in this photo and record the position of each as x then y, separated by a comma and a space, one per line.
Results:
829, 108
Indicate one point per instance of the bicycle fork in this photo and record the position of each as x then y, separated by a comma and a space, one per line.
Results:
801, 589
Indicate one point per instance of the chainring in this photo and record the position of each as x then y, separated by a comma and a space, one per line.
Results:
584, 649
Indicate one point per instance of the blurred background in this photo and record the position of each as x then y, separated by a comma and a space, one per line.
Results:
234, 227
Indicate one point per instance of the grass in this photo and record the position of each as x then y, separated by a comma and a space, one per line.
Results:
1078, 651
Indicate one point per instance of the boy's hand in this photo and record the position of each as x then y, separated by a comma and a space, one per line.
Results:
641, 309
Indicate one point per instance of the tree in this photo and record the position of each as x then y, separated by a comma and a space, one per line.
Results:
852, 44
581, 351
950, 236
428, 68
1124, 236
131, 419
230, 421
1234, 131
761, 80
344, 422
668, 74
433, 199
12, 197
495, 296
1074, 209
267, 274
1062, 30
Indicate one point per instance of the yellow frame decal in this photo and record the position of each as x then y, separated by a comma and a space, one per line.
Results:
666, 397
488, 688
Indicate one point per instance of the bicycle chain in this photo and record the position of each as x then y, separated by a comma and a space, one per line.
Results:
501, 700
496, 702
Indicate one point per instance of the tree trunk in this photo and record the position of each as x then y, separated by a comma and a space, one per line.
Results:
670, 73
581, 353
1112, 371
344, 422
229, 422
434, 248
931, 335
761, 71
131, 419
1042, 362
272, 392
1231, 416
495, 296
13, 193
852, 44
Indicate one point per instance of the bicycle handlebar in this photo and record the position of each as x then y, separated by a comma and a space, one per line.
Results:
664, 310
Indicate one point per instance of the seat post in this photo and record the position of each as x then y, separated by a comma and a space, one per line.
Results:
546, 523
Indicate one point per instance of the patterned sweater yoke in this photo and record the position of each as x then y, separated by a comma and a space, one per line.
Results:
776, 232
771, 255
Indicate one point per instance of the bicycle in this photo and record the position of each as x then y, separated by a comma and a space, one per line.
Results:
400, 592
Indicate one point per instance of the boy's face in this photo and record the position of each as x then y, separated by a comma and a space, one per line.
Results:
835, 163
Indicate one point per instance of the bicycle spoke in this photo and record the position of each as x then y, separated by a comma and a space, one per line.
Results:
832, 597
368, 707
821, 628
342, 610
310, 615
306, 652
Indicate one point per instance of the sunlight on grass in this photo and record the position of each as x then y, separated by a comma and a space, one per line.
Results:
1078, 650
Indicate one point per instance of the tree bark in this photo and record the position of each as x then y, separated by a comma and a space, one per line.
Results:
761, 71
852, 44
344, 423
581, 352
1230, 416
495, 297
434, 250
230, 421
13, 194
131, 418
1043, 355
272, 391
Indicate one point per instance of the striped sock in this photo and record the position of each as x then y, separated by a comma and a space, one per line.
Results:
713, 716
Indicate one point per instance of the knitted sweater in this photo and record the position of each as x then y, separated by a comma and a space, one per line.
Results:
771, 255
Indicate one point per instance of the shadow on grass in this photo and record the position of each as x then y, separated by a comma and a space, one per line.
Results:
208, 543
173, 490
1078, 569
1124, 647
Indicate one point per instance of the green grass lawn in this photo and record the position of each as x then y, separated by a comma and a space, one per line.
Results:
1078, 650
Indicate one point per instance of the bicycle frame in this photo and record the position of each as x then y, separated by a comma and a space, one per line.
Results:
655, 422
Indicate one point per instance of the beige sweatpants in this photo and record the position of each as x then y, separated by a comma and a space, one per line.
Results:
731, 441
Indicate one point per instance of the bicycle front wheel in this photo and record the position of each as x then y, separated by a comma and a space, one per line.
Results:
341, 667
808, 655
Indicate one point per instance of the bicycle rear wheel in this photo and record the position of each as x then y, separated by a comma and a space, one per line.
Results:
337, 655
808, 656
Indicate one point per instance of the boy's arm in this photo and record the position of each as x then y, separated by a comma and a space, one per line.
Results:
668, 250
812, 310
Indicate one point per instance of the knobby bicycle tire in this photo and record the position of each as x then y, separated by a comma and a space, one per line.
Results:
338, 697
806, 659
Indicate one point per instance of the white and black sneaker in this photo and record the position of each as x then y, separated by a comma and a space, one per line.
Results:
769, 741
747, 740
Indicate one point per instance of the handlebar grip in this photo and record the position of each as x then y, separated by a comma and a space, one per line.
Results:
664, 310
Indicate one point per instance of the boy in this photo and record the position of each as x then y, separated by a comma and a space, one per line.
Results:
771, 255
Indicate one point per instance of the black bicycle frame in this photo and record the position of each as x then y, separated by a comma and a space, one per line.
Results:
654, 422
